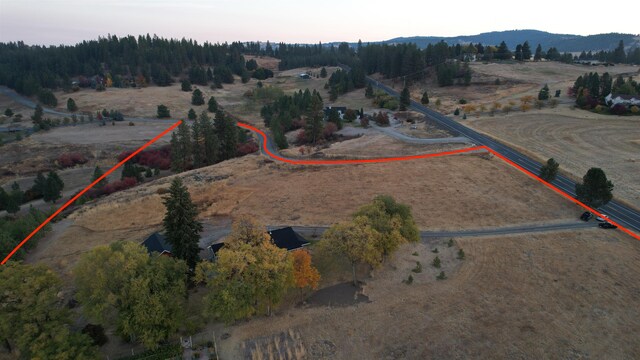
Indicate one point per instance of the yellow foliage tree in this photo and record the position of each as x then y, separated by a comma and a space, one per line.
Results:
304, 274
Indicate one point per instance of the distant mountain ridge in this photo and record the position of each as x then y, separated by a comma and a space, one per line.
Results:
562, 42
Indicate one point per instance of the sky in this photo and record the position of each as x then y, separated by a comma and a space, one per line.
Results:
54, 22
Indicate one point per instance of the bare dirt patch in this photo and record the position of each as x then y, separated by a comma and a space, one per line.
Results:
560, 295
578, 140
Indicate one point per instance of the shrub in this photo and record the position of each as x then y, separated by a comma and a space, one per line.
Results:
70, 159
441, 276
163, 112
381, 118
131, 123
435, 251
635, 109
436, 262
450, 243
619, 109
462, 101
460, 254
155, 158
409, 280
329, 129
418, 268
456, 112
248, 147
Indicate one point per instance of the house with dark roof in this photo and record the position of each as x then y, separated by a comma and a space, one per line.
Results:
285, 238
156, 242
340, 109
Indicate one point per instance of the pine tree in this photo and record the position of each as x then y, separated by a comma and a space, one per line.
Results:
186, 85
425, 99
211, 142
619, 55
71, 105
163, 111
8, 112
323, 73
549, 171
212, 105
39, 184
544, 93
130, 170
405, 99
197, 98
227, 135
14, 199
53, 189
181, 228
526, 51
192, 115
595, 189
368, 92
198, 145
315, 123
97, 172
37, 113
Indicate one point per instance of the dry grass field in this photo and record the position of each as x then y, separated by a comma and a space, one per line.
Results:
457, 192
567, 295
578, 140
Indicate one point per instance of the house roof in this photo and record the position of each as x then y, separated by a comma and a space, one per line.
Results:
625, 97
216, 247
286, 238
158, 243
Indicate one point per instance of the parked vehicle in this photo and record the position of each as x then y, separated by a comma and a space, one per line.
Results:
602, 217
586, 216
606, 225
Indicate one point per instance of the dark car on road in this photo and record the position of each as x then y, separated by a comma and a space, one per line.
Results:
586, 216
606, 225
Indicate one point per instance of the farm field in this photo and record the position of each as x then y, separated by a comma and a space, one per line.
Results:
567, 295
578, 140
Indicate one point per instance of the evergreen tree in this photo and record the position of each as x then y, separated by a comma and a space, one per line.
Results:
619, 55
549, 171
503, 52
163, 112
186, 85
212, 105
315, 117
211, 142
226, 130
198, 145
53, 189
192, 114
425, 98
538, 54
71, 105
37, 113
544, 93
39, 184
181, 148
368, 92
595, 189
526, 51
518, 54
323, 72
181, 228
8, 112
197, 98
130, 170
13, 199
97, 172
405, 99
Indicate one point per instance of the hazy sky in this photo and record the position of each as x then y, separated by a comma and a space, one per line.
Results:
69, 21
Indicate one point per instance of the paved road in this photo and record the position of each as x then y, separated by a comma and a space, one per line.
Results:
316, 231
625, 215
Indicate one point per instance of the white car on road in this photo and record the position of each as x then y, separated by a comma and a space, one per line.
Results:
602, 217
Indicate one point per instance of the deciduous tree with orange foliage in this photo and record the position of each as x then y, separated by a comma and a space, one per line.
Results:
304, 274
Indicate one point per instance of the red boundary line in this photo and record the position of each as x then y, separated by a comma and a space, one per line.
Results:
73, 199
323, 162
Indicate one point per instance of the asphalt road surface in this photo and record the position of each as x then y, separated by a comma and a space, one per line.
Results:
618, 212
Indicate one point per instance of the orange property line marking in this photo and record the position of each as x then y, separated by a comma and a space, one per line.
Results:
68, 203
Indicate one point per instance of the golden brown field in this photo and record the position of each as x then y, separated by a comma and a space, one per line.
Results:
568, 295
